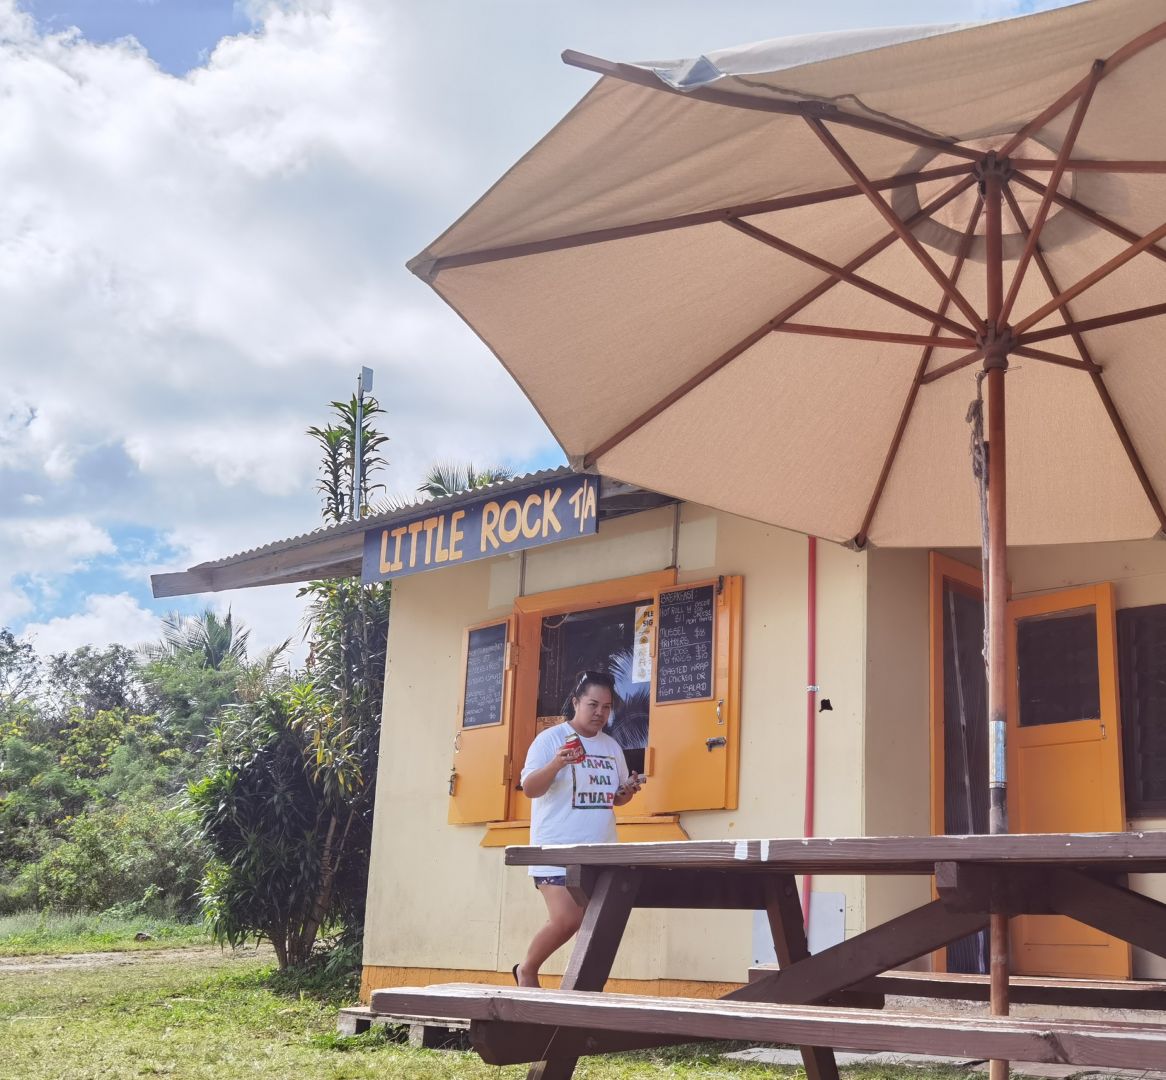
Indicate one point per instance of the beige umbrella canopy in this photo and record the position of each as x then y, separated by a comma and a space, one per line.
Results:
759, 280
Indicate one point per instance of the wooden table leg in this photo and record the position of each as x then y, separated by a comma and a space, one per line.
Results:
598, 941
1110, 908
789, 942
872, 952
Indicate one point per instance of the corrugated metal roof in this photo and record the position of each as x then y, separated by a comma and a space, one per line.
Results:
335, 550
399, 513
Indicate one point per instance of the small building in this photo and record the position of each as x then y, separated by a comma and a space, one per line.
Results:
708, 622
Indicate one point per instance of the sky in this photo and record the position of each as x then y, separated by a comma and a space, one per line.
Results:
208, 207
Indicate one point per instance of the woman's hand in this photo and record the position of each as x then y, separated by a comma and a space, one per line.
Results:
624, 793
538, 782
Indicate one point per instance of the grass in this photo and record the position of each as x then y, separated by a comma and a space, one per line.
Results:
205, 1014
30, 932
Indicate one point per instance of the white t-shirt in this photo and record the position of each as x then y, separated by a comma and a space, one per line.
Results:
577, 807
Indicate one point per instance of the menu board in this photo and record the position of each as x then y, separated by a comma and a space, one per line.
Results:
684, 661
485, 673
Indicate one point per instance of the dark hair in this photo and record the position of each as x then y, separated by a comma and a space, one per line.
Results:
583, 682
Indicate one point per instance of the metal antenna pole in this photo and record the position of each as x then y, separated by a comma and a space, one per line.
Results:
363, 383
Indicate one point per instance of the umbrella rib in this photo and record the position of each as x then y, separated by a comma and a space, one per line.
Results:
1032, 354
682, 221
1088, 213
916, 248
1080, 165
1053, 358
746, 343
1075, 331
1091, 279
1054, 181
1130, 49
632, 74
950, 366
1116, 319
860, 537
1047, 274
1128, 445
886, 336
786, 248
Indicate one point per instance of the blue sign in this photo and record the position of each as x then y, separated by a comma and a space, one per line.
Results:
530, 517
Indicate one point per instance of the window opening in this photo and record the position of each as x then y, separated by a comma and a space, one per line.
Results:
1056, 668
614, 639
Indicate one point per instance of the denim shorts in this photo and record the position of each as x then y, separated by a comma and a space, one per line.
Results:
557, 879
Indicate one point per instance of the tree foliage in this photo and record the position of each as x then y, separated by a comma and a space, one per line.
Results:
337, 442
19, 668
206, 639
287, 803
262, 816
95, 762
131, 855
85, 682
450, 477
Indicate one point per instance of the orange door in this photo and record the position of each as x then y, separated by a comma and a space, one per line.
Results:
480, 774
1064, 757
692, 755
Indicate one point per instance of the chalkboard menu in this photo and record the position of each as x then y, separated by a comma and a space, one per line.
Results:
485, 669
684, 661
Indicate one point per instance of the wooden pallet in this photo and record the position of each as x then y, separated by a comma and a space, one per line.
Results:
429, 1032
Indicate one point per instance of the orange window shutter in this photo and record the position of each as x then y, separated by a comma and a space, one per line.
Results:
693, 756
481, 771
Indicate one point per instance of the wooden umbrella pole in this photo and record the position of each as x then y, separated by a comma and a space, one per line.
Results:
997, 340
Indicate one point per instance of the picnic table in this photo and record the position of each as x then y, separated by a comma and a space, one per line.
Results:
830, 999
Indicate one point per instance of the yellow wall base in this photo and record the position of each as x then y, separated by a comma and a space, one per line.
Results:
379, 978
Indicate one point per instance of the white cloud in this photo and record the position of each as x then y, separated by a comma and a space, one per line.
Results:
104, 620
191, 268
36, 545
14, 604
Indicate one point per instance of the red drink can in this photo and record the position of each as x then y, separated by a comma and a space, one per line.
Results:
575, 749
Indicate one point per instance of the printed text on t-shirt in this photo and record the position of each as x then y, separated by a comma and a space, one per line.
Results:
593, 782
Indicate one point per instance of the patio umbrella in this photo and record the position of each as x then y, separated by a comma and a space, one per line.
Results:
772, 278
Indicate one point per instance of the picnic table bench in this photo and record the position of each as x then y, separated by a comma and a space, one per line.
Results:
815, 1001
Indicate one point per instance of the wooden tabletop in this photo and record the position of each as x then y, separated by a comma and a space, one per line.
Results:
1143, 852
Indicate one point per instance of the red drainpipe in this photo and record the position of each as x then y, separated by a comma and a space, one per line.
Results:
811, 705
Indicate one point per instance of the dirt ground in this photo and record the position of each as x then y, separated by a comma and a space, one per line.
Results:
10, 965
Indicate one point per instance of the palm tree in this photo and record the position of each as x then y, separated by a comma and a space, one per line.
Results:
212, 641
450, 477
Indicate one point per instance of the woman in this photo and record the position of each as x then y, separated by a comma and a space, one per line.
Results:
574, 793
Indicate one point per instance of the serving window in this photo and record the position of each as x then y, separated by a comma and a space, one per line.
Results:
677, 691
616, 639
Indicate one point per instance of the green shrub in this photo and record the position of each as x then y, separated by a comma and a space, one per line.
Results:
140, 856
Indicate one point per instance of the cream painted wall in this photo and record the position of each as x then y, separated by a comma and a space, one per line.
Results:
437, 899
897, 735
434, 893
